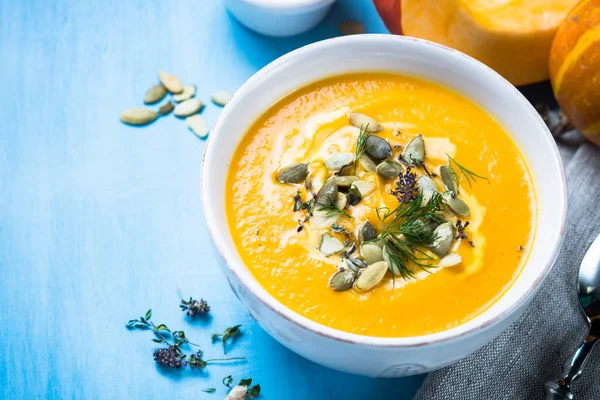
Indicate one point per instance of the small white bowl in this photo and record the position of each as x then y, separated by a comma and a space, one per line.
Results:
279, 17
376, 356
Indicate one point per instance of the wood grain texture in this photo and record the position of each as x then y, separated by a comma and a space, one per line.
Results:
100, 221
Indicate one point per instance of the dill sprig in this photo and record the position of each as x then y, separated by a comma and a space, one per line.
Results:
361, 144
469, 175
331, 209
407, 234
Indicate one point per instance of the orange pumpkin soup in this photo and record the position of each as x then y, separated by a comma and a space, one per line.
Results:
381, 205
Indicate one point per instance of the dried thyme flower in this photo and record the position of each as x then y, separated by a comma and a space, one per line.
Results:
407, 189
169, 357
460, 229
194, 307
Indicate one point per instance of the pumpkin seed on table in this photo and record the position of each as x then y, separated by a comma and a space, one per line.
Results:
138, 116
364, 187
371, 253
189, 91
328, 192
377, 148
345, 181
166, 108
450, 261
197, 125
351, 28
155, 94
354, 197
170, 82
458, 206
427, 187
340, 160
414, 152
366, 232
389, 169
221, 97
330, 245
448, 178
444, 234
188, 107
371, 276
293, 173
342, 280
365, 122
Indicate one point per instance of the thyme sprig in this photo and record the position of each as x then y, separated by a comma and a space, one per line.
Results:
229, 333
172, 356
469, 175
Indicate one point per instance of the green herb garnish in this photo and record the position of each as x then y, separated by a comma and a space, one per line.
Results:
361, 144
331, 209
229, 333
209, 390
407, 235
468, 174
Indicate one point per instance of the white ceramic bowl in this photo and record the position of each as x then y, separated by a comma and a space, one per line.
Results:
279, 17
375, 356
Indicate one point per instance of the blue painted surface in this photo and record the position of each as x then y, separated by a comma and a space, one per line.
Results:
100, 221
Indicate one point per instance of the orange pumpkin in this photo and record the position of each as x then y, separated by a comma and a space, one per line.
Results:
575, 68
513, 37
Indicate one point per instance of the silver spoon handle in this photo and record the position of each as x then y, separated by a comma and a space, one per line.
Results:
560, 389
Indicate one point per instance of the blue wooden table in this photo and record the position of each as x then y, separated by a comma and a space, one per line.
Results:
100, 221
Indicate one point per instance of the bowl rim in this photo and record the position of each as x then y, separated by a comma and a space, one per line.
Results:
295, 5
302, 322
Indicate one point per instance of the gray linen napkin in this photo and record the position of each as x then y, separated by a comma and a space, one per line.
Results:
533, 349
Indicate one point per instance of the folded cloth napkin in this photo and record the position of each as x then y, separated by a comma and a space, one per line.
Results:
532, 350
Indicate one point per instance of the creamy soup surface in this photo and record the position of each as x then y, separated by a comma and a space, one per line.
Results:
310, 126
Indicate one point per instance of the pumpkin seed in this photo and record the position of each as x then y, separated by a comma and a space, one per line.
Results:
458, 206
308, 182
138, 116
293, 173
371, 253
450, 261
367, 163
170, 82
322, 219
166, 108
366, 232
345, 181
189, 91
188, 107
377, 148
365, 122
339, 161
389, 169
371, 276
351, 28
414, 152
197, 125
364, 187
221, 97
380, 243
444, 234
355, 264
341, 201
427, 187
354, 196
328, 192
330, 245
448, 178
393, 267
342, 280
155, 94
